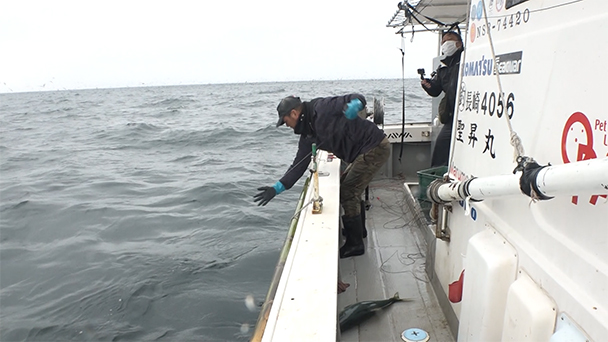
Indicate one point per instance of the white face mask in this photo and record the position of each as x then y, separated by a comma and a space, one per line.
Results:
449, 48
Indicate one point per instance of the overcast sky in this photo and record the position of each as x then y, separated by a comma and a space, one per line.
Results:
98, 44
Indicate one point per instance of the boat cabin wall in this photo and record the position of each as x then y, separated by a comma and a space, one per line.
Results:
411, 156
540, 71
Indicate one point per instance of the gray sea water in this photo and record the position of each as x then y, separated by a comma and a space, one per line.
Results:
127, 214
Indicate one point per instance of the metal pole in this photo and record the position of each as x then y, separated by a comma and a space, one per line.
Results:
317, 203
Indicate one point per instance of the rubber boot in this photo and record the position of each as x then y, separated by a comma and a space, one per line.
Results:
363, 219
353, 227
363, 206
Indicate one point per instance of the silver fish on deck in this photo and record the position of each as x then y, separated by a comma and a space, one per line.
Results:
355, 314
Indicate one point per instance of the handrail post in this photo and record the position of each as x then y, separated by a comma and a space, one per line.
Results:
317, 202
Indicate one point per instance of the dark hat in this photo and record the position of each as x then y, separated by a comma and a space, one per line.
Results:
285, 107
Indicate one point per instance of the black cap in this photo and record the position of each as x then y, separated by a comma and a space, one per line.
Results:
285, 107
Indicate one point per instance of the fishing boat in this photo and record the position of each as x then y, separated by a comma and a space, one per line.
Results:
519, 250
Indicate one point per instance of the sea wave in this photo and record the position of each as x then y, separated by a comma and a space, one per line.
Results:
128, 214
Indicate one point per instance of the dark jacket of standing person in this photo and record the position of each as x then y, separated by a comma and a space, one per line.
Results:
445, 80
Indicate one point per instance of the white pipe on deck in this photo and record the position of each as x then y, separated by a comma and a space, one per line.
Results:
585, 176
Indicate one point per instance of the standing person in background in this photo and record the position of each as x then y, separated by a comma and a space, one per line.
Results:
333, 124
446, 80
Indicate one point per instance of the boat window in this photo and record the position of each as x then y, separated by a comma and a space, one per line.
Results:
511, 3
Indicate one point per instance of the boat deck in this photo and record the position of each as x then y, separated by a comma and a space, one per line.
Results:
394, 262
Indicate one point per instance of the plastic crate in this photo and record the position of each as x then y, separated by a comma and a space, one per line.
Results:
425, 177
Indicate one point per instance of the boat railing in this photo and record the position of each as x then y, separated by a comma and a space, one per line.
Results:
307, 270
272, 290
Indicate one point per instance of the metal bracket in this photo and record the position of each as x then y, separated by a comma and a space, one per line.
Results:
442, 231
317, 206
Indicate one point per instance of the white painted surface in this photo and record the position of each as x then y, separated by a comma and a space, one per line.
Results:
305, 305
530, 314
567, 331
561, 243
413, 132
491, 267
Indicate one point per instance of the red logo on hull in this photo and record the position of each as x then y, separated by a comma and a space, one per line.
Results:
578, 131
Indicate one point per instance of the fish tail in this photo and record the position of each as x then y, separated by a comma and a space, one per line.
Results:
397, 299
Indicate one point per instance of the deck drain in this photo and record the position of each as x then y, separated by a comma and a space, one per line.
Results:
414, 335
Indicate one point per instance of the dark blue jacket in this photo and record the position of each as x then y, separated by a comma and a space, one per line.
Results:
446, 80
323, 122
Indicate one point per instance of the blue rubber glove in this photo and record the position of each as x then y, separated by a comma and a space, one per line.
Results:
352, 108
267, 193
279, 187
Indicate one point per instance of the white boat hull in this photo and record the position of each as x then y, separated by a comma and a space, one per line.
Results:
528, 264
